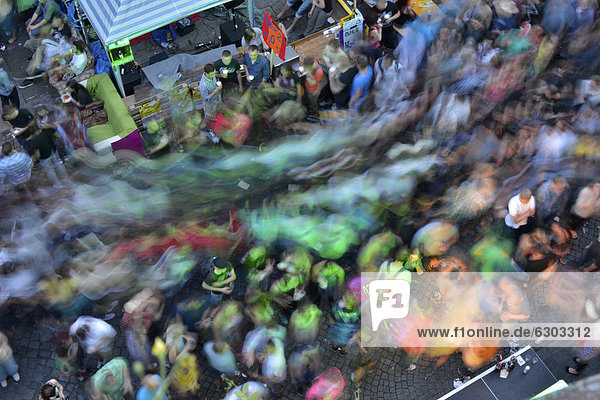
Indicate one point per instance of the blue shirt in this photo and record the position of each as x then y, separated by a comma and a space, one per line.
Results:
206, 87
145, 394
260, 69
16, 167
362, 81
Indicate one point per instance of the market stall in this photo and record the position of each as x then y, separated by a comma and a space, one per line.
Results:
118, 21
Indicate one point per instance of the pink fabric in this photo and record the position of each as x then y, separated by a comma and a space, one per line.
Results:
329, 385
132, 142
355, 285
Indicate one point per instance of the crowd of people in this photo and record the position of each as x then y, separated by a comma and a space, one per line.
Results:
470, 144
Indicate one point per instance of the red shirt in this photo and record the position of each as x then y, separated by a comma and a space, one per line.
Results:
313, 82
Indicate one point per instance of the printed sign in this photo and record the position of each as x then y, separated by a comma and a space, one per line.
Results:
273, 36
352, 32
389, 299
330, 116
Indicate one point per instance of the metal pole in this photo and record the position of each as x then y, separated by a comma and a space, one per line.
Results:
250, 5
117, 73
80, 21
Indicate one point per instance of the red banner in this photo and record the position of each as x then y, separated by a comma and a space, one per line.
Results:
273, 36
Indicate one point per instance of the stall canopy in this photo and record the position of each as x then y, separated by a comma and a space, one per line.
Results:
114, 20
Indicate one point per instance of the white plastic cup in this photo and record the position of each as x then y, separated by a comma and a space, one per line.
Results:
250, 78
219, 84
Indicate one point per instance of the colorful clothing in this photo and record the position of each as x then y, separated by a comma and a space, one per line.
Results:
316, 78
346, 324
215, 277
145, 394
330, 276
138, 346
185, 374
304, 324
116, 367
69, 364
377, 249
362, 81
327, 386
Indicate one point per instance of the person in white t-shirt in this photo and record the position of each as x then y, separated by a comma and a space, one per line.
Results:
221, 358
274, 367
95, 335
555, 143
520, 208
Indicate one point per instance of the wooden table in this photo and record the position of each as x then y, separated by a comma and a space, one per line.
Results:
312, 46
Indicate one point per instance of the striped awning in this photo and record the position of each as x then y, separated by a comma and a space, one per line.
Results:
114, 20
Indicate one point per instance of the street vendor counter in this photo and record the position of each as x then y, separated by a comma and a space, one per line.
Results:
310, 46
149, 102
170, 67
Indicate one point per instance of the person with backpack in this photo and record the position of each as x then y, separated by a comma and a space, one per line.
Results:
316, 80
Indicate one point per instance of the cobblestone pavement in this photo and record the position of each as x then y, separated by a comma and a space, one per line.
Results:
32, 332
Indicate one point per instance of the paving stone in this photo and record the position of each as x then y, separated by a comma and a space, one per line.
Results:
33, 346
